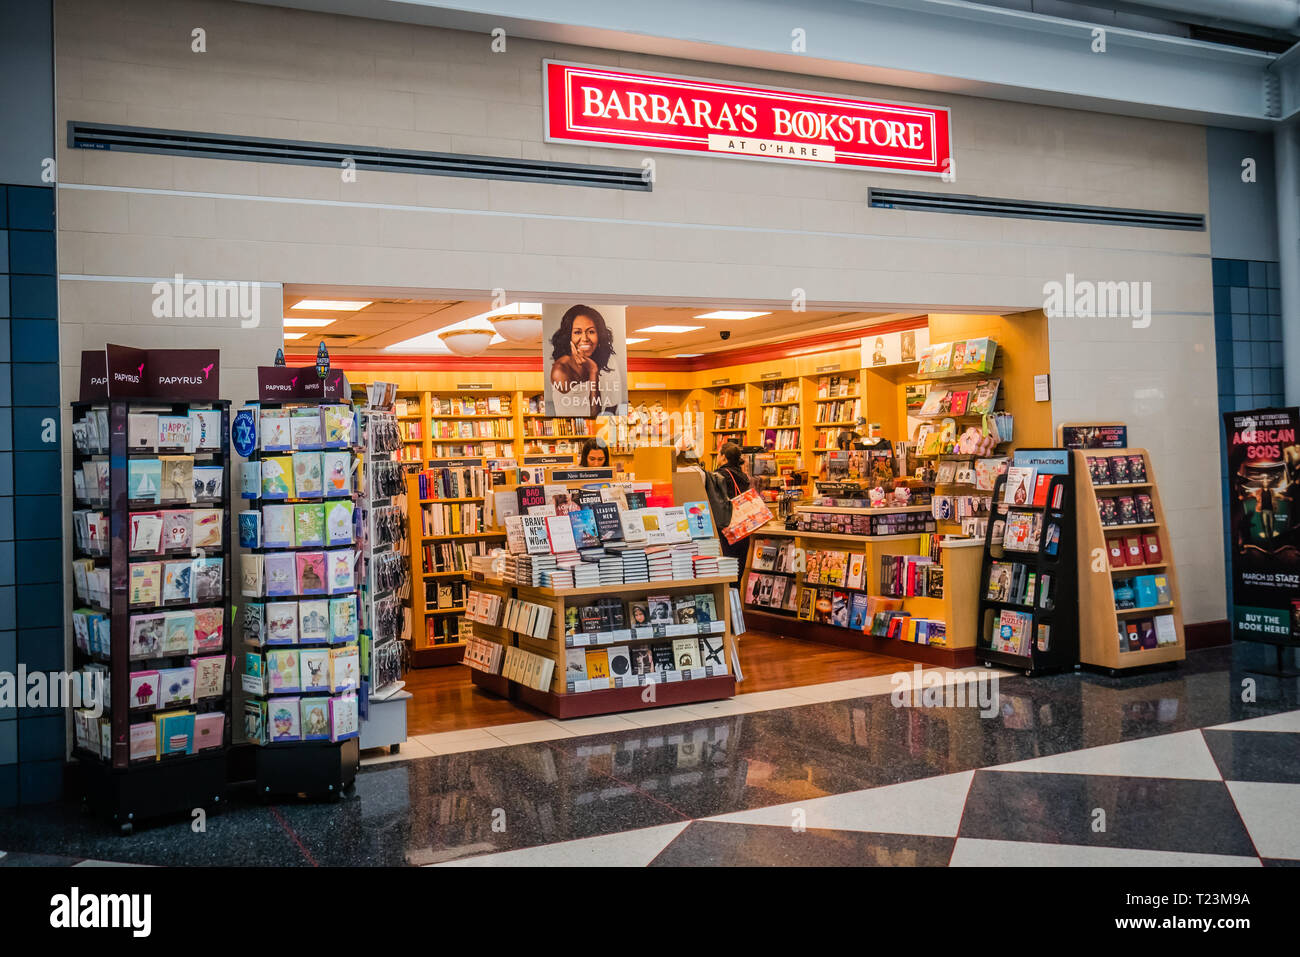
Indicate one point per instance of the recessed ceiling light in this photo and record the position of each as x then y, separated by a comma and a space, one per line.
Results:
687, 355
732, 314
634, 340
670, 329
307, 323
332, 305
294, 335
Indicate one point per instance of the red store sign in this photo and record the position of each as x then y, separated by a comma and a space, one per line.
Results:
595, 105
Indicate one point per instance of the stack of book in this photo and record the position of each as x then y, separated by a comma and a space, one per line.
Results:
705, 566
682, 561
636, 567
557, 578
661, 566
728, 567
611, 570
586, 575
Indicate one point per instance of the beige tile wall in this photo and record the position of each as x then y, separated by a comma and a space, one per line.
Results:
716, 230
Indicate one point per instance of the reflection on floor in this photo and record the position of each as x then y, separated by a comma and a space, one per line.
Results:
1068, 769
446, 700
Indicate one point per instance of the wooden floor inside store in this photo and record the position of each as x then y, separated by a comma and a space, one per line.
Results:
446, 700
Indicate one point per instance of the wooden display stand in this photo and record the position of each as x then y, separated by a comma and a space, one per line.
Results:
957, 607
424, 653
1100, 622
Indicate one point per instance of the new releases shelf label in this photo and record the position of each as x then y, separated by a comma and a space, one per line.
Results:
636, 110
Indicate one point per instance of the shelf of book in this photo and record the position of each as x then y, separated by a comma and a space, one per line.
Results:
300, 613
1139, 566
826, 584
1028, 594
150, 604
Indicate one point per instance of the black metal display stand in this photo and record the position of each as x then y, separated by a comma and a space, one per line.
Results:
122, 788
1053, 610
307, 768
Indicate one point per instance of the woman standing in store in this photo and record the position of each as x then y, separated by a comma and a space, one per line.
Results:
583, 380
731, 476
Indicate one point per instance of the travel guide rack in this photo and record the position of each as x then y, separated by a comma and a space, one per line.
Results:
385, 579
168, 629
1028, 592
300, 611
1121, 516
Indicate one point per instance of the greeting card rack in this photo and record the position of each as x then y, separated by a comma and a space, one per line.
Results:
386, 578
1028, 588
151, 604
299, 616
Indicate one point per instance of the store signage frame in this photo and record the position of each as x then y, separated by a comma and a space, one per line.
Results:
767, 124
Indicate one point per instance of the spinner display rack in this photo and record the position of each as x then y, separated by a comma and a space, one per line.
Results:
385, 578
123, 789
1057, 625
316, 766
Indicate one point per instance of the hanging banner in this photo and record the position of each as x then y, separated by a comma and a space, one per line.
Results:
584, 360
1263, 491
650, 111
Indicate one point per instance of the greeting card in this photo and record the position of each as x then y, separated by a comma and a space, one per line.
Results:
314, 670
344, 718
273, 430
336, 426
338, 523
282, 670
315, 719
208, 629
253, 623
284, 719
305, 428
176, 529
337, 469
277, 476
209, 676
178, 633
175, 732
252, 577
345, 668
314, 620
205, 428
256, 722
280, 573
177, 478
177, 583
309, 525
146, 533
277, 526
209, 481
339, 566
175, 433
311, 573
209, 730
144, 741
250, 479
281, 622
250, 529
206, 524
144, 689
175, 686
307, 476
208, 579
343, 619
146, 583
146, 636
143, 480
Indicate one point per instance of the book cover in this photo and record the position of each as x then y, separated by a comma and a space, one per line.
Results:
559, 531
575, 668
1145, 508
282, 670
1151, 549
209, 676
585, 532
279, 573
285, 719
858, 611
642, 660
1127, 512
686, 653
633, 525
705, 608
308, 479
314, 620
277, 477
315, 718
340, 568
608, 526
661, 609
1108, 511
699, 519
308, 525
536, 538
310, 573
1019, 487
620, 661
840, 609
684, 612
530, 496
639, 613
314, 670
662, 653
597, 663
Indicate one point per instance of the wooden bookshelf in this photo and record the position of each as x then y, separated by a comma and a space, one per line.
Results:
1099, 620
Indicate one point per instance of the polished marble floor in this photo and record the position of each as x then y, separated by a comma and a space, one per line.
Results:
1171, 767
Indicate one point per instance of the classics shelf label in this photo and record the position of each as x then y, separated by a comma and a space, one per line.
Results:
632, 110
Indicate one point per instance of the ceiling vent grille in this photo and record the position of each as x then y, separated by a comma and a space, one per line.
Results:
135, 139
1029, 209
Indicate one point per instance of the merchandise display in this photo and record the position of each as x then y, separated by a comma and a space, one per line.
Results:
300, 613
1134, 618
151, 599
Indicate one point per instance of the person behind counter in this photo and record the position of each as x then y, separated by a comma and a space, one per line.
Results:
594, 454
